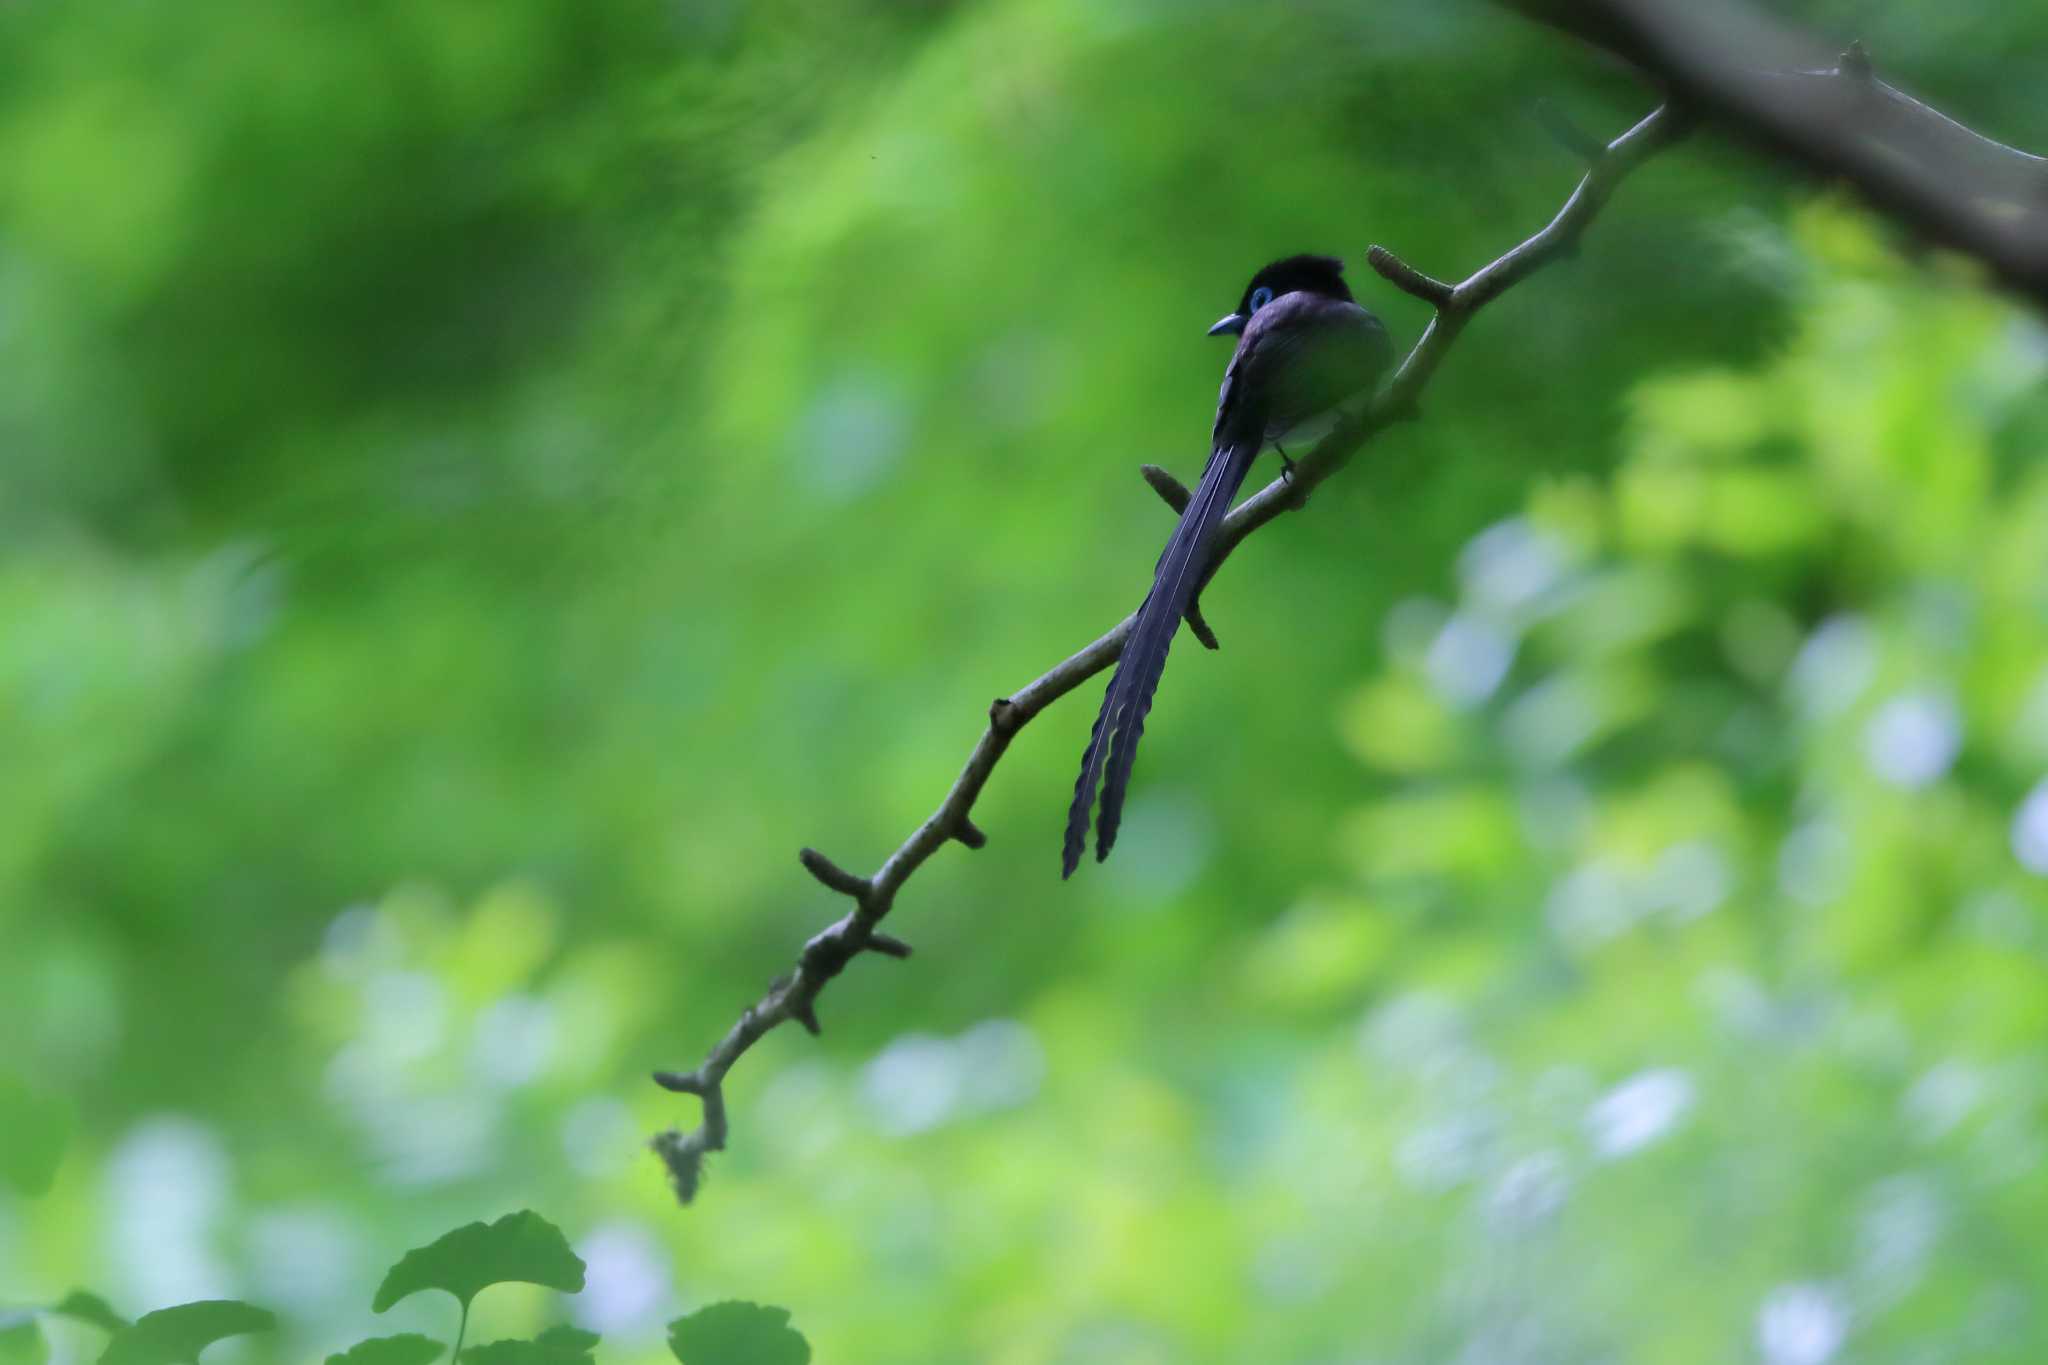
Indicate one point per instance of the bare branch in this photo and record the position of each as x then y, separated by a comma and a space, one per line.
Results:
1198, 624
1407, 278
833, 875
889, 946
1925, 170
794, 995
1171, 490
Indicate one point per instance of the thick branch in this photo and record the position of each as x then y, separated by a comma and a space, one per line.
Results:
794, 995
1833, 117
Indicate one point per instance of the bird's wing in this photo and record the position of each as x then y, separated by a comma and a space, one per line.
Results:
1316, 354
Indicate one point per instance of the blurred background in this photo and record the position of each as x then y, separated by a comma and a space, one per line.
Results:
482, 484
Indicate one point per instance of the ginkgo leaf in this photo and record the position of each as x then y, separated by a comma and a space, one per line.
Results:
511, 1351
569, 1341
35, 1126
90, 1308
556, 1346
738, 1333
520, 1246
176, 1336
409, 1348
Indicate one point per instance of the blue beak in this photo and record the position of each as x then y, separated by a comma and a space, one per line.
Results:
1233, 325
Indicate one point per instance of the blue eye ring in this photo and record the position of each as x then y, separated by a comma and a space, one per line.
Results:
1260, 298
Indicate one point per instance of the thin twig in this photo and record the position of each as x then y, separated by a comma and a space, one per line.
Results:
794, 995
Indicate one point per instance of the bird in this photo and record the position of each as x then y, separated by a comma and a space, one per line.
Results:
1306, 354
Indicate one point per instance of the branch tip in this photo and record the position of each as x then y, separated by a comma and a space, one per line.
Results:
833, 875
1408, 279
969, 833
805, 1013
889, 945
683, 1082
1171, 490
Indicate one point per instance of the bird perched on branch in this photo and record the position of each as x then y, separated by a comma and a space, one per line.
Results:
1305, 353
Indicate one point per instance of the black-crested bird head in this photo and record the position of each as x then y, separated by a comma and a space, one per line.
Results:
1307, 274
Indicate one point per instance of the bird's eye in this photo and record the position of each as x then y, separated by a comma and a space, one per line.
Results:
1261, 297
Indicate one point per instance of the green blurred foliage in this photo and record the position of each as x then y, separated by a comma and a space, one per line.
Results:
21, 1343
35, 1127
481, 485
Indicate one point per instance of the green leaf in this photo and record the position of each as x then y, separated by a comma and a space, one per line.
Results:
520, 1246
556, 1346
90, 1308
176, 1336
21, 1341
35, 1126
410, 1348
738, 1333
512, 1351
568, 1341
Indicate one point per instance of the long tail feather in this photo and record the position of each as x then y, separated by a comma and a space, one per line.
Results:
1113, 743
